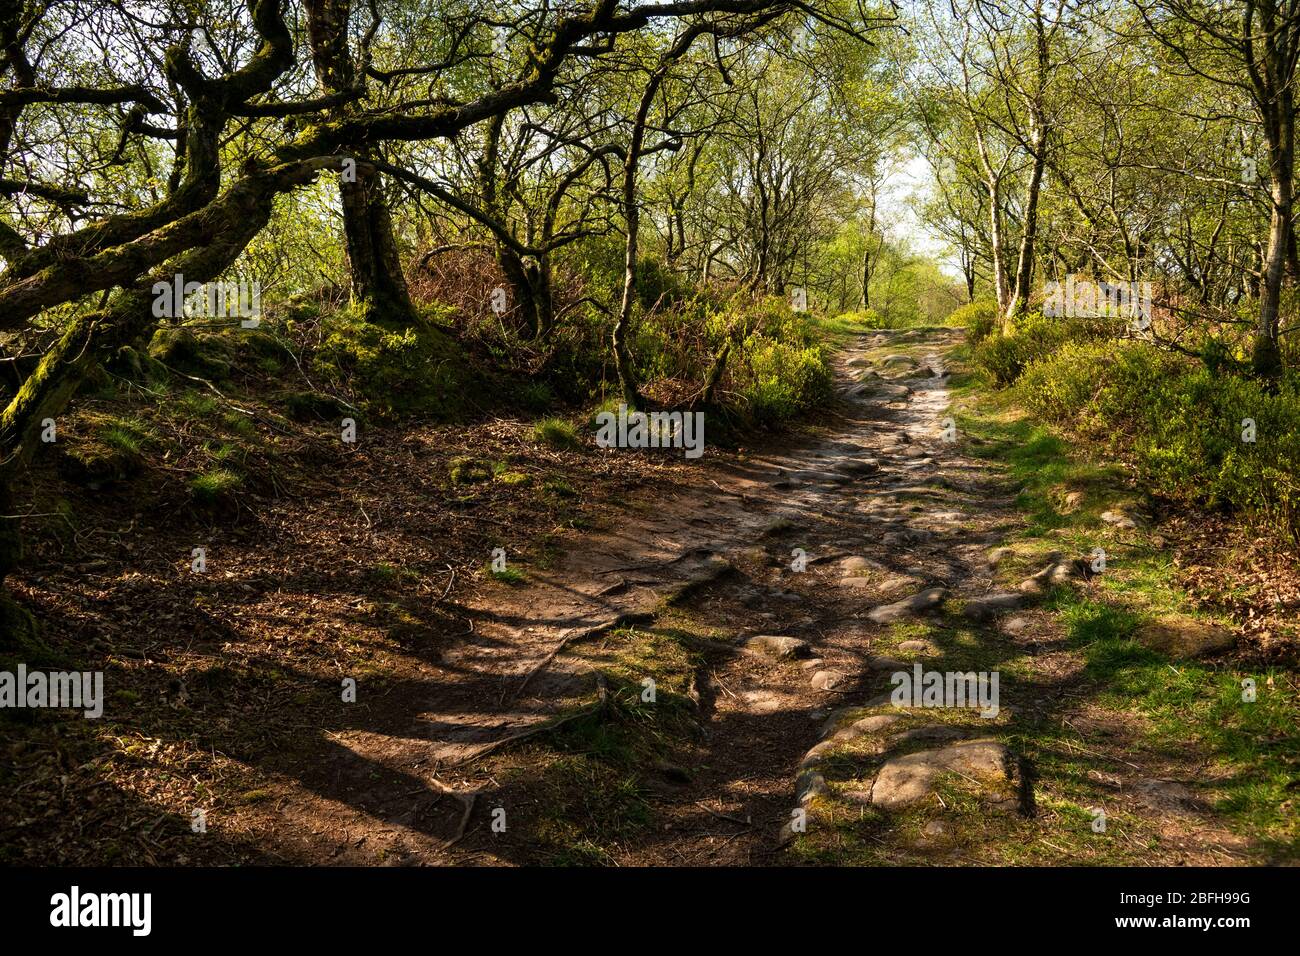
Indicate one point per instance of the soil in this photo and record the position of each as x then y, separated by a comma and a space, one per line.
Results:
362, 563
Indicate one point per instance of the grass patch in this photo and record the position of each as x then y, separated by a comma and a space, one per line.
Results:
215, 485
592, 776
1249, 750
557, 433
508, 575
463, 470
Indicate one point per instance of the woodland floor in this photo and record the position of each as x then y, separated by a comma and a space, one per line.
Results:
519, 700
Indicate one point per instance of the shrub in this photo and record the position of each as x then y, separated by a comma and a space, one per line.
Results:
536, 396
784, 380
980, 319
1004, 357
1181, 423
1098, 388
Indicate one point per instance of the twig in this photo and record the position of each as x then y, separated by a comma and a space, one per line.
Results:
721, 816
447, 589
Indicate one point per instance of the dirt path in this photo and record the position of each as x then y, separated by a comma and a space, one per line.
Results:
868, 548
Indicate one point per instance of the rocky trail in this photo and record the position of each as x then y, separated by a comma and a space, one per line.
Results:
765, 606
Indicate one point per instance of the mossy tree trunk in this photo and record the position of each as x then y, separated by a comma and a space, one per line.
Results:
218, 234
374, 261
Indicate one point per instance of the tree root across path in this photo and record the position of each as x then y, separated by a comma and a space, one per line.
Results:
773, 598
924, 783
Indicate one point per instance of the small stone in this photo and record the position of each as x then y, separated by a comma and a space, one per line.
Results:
778, 646
857, 466
811, 664
897, 539
1118, 519
1066, 571
899, 360
858, 582
856, 564
1058, 572
998, 555
916, 647
810, 784
833, 720
892, 391
899, 583
828, 680
1032, 587
816, 753
882, 663
762, 701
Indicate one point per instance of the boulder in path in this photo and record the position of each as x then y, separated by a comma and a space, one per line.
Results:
1119, 519
856, 564
983, 608
899, 361
893, 391
907, 779
857, 466
777, 646
917, 647
918, 603
828, 680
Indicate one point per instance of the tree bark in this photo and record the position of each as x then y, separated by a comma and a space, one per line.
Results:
1024, 278
374, 262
